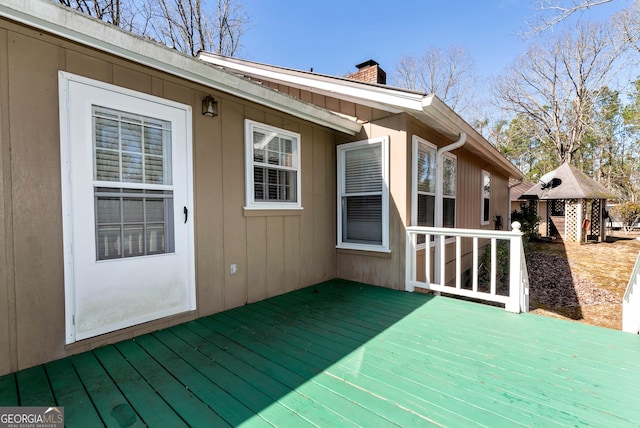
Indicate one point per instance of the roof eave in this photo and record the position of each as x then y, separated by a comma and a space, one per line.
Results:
445, 120
59, 20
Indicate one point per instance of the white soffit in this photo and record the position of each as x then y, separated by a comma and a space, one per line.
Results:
69, 24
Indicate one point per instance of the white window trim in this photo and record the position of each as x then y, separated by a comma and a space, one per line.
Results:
250, 202
384, 143
416, 141
484, 222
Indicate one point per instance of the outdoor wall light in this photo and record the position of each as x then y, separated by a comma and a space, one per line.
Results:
209, 106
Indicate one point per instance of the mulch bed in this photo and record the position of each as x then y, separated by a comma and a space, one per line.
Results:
551, 284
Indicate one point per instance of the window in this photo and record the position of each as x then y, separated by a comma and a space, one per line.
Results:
272, 167
486, 197
363, 195
424, 185
449, 174
132, 156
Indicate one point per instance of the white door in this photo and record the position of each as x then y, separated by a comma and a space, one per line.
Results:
127, 191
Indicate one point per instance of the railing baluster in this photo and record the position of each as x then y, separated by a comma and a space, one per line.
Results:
475, 264
493, 265
458, 262
443, 261
427, 252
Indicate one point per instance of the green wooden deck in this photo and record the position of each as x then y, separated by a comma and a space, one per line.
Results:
346, 354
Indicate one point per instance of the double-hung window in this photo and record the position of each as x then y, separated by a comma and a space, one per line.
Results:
425, 179
486, 197
363, 195
133, 194
272, 167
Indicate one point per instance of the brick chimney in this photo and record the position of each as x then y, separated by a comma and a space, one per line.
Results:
370, 72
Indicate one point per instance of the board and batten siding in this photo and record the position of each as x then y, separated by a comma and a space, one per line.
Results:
275, 251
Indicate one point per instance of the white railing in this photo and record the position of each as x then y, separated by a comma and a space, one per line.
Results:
446, 251
631, 302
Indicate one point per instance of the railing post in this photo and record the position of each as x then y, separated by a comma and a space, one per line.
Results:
410, 262
515, 276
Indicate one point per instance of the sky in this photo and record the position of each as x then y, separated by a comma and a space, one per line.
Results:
331, 36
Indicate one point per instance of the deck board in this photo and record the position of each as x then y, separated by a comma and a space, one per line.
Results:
69, 392
33, 387
348, 354
9, 390
111, 405
193, 411
152, 409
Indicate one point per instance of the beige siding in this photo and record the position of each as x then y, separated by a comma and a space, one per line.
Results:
380, 268
275, 251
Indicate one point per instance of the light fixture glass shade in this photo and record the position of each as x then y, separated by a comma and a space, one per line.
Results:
209, 106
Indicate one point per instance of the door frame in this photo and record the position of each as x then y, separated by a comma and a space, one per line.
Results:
65, 80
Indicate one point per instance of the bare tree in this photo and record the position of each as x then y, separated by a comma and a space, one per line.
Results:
555, 85
553, 12
186, 25
114, 12
449, 74
628, 24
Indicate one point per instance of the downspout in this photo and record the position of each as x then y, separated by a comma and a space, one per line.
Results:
439, 202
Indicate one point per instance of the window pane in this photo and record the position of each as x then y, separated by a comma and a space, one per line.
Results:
133, 240
362, 219
449, 176
485, 210
155, 210
486, 196
131, 148
426, 210
107, 133
108, 243
363, 169
449, 214
132, 210
426, 168
155, 239
486, 186
272, 184
108, 210
131, 168
131, 137
133, 222
107, 165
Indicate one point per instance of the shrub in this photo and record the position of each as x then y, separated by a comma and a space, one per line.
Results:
529, 220
502, 268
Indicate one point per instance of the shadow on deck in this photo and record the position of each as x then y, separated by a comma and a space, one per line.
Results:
342, 353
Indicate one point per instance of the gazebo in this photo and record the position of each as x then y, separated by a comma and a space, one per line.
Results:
575, 204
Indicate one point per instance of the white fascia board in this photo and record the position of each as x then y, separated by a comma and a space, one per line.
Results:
385, 99
75, 26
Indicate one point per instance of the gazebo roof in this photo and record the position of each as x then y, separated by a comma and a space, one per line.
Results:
567, 182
